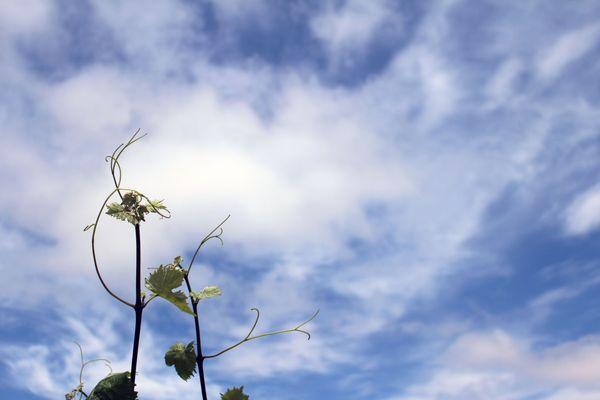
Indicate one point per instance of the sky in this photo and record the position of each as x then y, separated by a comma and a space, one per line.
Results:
425, 173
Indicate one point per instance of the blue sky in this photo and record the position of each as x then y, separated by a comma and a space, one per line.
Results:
423, 172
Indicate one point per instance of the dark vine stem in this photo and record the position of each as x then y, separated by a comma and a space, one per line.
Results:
139, 307
199, 356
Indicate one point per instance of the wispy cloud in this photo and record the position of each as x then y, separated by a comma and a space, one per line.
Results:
496, 364
374, 199
583, 214
567, 49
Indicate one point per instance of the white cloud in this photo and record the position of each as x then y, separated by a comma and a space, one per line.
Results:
496, 364
566, 50
500, 88
305, 170
574, 394
50, 370
345, 30
14, 21
350, 25
583, 214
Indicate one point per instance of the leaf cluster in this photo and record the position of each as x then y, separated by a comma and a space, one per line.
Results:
131, 208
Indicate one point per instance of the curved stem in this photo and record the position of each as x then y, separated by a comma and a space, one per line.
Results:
95, 225
211, 235
84, 363
95, 228
249, 337
149, 300
139, 306
199, 356
114, 159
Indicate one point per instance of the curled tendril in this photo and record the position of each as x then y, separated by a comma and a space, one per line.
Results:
113, 159
211, 235
271, 333
116, 173
97, 268
79, 388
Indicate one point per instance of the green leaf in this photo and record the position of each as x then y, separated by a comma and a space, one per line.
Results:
183, 358
114, 387
163, 280
177, 261
131, 210
118, 211
235, 394
155, 205
131, 200
206, 293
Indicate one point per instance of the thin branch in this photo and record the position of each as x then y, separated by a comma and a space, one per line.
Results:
167, 216
82, 363
150, 299
211, 235
114, 166
114, 159
95, 228
94, 252
199, 356
250, 337
79, 388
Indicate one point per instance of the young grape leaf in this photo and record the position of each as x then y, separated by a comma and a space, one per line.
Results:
163, 280
118, 211
131, 210
206, 293
183, 358
71, 395
235, 394
114, 387
130, 200
177, 261
155, 205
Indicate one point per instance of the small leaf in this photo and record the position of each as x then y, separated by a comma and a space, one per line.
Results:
131, 210
177, 261
183, 358
130, 200
206, 293
235, 394
118, 211
163, 280
114, 387
155, 205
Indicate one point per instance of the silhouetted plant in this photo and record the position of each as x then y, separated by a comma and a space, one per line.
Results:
235, 394
164, 282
